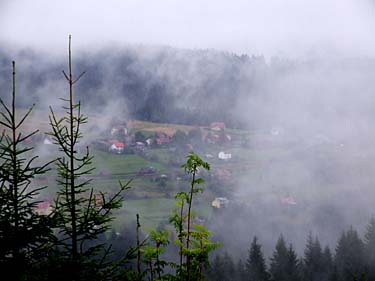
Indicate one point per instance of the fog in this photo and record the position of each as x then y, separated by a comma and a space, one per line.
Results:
287, 28
304, 68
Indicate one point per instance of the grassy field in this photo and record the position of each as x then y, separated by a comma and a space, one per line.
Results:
153, 200
105, 162
154, 211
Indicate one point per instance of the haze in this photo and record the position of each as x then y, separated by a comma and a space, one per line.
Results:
272, 27
308, 75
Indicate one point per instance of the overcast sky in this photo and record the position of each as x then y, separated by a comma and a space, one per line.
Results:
269, 27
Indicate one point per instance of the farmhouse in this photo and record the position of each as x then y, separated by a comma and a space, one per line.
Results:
116, 146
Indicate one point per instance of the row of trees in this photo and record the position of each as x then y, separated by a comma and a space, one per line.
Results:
354, 259
69, 243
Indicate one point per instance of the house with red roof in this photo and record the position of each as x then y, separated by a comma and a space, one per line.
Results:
116, 146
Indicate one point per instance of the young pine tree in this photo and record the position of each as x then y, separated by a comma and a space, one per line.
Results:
193, 241
256, 265
81, 214
24, 234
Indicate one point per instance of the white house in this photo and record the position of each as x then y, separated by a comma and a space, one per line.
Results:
220, 202
224, 156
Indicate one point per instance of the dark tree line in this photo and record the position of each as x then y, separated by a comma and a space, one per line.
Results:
353, 259
152, 87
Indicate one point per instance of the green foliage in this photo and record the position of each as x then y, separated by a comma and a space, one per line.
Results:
314, 264
24, 234
241, 274
193, 242
158, 240
69, 244
255, 265
349, 258
284, 263
81, 215
327, 263
369, 248
222, 268
139, 136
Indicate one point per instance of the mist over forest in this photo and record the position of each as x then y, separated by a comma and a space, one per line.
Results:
305, 96
322, 109
277, 96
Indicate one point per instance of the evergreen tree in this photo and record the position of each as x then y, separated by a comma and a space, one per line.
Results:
293, 267
369, 246
82, 215
313, 266
241, 274
230, 270
349, 257
279, 261
284, 263
216, 270
334, 275
222, 268
24, 234
327, 263
255, 265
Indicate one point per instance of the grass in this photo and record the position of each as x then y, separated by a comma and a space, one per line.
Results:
152, 211
122, 164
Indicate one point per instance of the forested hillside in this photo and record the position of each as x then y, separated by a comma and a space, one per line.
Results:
201, 86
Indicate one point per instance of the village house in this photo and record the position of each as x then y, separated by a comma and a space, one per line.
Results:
116, 146
220, 202
224, 156
149, 141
